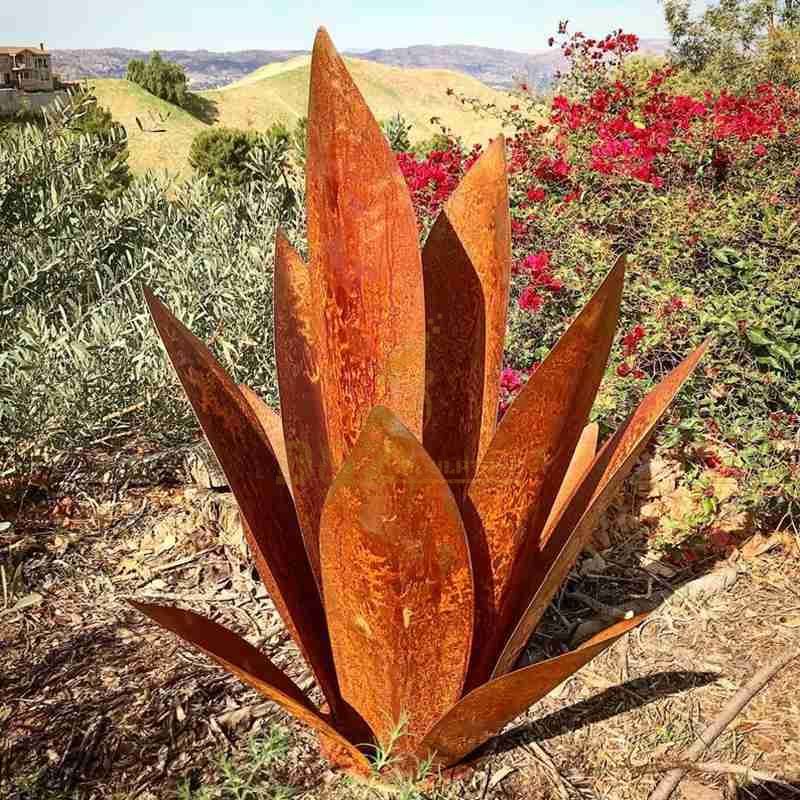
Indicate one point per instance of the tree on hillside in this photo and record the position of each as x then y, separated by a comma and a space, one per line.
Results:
161, 78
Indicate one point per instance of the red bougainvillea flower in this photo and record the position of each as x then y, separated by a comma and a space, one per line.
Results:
531, 300
536, 194
630, 342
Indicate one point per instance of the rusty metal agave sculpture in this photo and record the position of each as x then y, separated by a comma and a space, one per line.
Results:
410, 543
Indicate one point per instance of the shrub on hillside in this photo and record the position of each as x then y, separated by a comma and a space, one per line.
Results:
231, 159
161, 78
223, 155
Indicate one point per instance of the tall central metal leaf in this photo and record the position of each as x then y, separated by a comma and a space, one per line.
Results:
366, 272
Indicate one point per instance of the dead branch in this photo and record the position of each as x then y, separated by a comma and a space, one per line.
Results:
670, 781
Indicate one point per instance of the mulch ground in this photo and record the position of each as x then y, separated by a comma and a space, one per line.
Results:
96, 702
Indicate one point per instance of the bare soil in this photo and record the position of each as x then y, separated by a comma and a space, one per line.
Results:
95, 702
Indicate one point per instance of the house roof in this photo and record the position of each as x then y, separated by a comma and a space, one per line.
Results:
12, 51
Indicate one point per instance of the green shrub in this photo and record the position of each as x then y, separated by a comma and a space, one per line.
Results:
161, 78
703, 194
80, 365
223, 155
397, 131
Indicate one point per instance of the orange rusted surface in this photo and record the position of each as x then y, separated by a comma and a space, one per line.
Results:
397, 582
466, 265
519, 478
253, 473
582, 459
297, 357
272, 426
366, 272
579, 516
487, 709
255, 669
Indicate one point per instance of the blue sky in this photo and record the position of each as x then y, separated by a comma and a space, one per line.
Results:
290, 24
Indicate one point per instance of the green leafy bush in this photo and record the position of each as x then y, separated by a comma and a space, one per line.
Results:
223, 154
703, 193
80, 365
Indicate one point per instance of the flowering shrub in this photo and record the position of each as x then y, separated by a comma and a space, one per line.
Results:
703, 194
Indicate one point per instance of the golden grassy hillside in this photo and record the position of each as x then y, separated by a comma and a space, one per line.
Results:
279, 92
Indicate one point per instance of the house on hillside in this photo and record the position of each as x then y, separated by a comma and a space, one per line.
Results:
26, 69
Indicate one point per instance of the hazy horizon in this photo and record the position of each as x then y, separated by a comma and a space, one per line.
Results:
360, 26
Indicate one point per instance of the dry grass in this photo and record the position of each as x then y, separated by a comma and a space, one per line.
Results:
279, 93
95, 702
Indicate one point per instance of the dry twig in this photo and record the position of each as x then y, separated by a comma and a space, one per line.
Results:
670, 781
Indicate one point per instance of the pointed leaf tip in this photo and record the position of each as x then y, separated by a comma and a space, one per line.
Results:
366, 272
469, 246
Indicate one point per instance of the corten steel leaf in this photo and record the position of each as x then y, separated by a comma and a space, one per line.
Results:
469, 247
254, 475
579, 515
434, 572
366, 271
487, 709
516, 484
272, 426
252, 667
397, 582
582, 459
297, 357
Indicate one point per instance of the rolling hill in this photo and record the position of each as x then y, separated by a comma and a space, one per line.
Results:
279, 92
208, 69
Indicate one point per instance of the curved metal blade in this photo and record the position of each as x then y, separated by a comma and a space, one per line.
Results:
579, 515
366, 272
469, 247
582, 459
519, 478
297, 357
486, 710
254, 668
253, 473
397, 582
272, 426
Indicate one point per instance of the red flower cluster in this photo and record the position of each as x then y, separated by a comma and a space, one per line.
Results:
531, 300
672, 305
431, 180
552, 170
630, 346
630, 342
619, 128
750, 116
511, 381
537, 268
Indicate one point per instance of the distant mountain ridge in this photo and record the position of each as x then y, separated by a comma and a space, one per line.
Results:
207, 69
